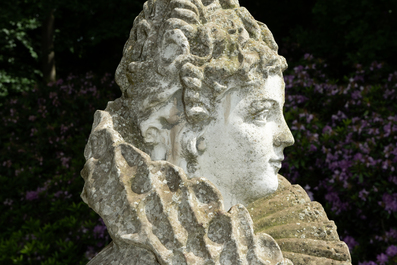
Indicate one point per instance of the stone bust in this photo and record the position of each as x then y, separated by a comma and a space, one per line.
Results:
199, 129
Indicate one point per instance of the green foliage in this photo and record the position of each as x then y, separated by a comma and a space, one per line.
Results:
44, 220
84, 31
19, 46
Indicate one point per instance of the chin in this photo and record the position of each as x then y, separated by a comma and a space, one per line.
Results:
274, 185
267, 186
271, 183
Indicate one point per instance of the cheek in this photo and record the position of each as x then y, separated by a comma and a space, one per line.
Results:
258, 148
258, 138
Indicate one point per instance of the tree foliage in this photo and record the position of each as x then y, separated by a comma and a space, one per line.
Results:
19, 46
89, 36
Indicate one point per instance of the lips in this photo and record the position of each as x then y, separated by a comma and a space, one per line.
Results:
276, 163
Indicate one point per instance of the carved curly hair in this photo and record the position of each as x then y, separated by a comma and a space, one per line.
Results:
203, 47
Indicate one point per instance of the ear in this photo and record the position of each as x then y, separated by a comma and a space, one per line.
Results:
151, 136
191, 147
193, 144
201, 145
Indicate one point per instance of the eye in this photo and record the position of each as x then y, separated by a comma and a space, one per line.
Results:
261, 111
261, 117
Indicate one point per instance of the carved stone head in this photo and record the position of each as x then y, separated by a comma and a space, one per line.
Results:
200, 119
203, 89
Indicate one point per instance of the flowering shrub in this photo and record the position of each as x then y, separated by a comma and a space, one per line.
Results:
345, 153
345, 156
43, 219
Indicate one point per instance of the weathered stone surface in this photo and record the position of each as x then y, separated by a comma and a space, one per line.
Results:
199, 129
300, 227
156, 215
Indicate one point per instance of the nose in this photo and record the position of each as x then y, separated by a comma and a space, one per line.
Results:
283, 137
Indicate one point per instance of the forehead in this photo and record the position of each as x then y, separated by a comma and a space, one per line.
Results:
273, 88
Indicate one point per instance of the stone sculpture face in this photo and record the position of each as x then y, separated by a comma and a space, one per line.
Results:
207, 94
240, 150
244, 144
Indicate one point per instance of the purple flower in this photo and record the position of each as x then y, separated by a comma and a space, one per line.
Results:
90, 253
371, 161
33, 131
363, 195
18, 171
389, 93
58, 193
359, 157
52, 95
59, 82
64, 129
390, 78
99, 230
364, 148
318, 88
344, 164
300, 99
327, 130
391, 251
356, 95
7, 163
382, 258
309, 193
350, 241
313, 148
65, 161
393, 179
32, 195
390, 202
373, 131
298, 69
337, 205
394, 152
309, 118
392, 234
308, 56
359, 78
8, 202
387, 129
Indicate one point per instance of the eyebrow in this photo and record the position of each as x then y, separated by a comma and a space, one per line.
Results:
259, 104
